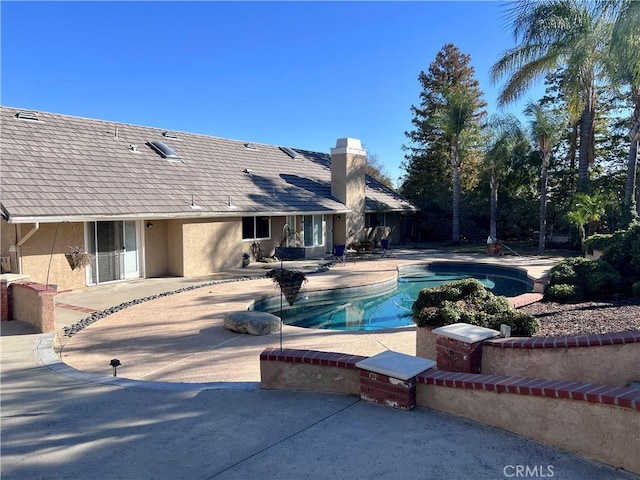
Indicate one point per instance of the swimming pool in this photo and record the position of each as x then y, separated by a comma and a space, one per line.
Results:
389, 306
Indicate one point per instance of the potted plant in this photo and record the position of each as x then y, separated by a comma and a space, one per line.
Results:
77, 257
290, 245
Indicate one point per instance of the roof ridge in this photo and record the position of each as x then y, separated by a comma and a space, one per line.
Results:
161, 129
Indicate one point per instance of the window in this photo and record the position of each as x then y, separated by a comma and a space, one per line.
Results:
374, 220
313, 230
164, 150
256, 228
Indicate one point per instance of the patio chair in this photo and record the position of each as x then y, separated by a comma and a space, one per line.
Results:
386, 247
339, 254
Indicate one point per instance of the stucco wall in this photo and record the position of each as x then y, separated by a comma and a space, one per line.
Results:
8, 237
602, 432
174, 248
36, 254
156, 259
425, 343
34, 304
315, 378
607, 365
211, 246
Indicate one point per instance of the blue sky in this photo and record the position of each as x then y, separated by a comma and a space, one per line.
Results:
298, 74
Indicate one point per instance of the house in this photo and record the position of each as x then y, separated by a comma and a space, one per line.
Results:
147, 202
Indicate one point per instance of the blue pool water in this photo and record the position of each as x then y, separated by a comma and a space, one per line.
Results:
392, 308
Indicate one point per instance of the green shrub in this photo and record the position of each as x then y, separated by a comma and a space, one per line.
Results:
623, 254
565, 271
563, 293
522, 324
468, 301
591, 279
599, 241
635, 289
599, 279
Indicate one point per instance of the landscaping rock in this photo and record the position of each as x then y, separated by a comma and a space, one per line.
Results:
252, 322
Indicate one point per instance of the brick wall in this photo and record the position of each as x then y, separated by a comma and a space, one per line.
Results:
5, 313
457, 356
387, 391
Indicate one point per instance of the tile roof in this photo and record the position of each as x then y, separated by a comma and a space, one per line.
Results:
64, 166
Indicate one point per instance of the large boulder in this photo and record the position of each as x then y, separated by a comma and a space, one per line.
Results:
252, 322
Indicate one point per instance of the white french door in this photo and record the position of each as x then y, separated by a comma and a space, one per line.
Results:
114, 251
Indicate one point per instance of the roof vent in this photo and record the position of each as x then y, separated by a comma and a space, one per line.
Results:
193, 203
250, 146
292, 153
248, 171
28, 115
164, 150
169, 134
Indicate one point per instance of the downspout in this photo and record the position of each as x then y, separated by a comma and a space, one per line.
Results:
22, 241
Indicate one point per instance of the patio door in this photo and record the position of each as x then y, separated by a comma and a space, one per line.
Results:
114, 250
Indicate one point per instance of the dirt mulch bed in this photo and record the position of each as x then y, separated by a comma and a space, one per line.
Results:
609, 316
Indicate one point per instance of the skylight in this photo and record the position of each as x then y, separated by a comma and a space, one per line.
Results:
28, 115
292, 153
164, 150
250, 146
169, 134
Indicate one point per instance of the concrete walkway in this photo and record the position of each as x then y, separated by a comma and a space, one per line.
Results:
60, 423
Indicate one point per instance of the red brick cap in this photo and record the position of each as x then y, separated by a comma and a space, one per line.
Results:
593, 340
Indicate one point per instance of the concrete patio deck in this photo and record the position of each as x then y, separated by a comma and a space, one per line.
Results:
181, 338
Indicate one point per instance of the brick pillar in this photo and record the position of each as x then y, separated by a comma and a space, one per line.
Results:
459, 347
5, 313
458, 356
388, 391
389, 378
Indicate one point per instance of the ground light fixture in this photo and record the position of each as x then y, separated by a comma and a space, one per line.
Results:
115, 363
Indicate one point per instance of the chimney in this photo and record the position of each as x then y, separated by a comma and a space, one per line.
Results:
348, 166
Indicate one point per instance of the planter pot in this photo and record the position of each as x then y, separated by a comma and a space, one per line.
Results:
289, 281
290, 253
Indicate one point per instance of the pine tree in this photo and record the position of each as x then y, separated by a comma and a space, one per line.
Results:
445, 141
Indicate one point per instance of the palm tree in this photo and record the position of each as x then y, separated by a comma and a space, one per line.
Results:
586, 210
546, 131
554, 33
623, 67
455, 120
505, 132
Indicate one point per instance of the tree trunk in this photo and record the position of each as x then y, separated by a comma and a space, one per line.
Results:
543, 202
455, 226
573, 141
586, 122
493, 206
632, 161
